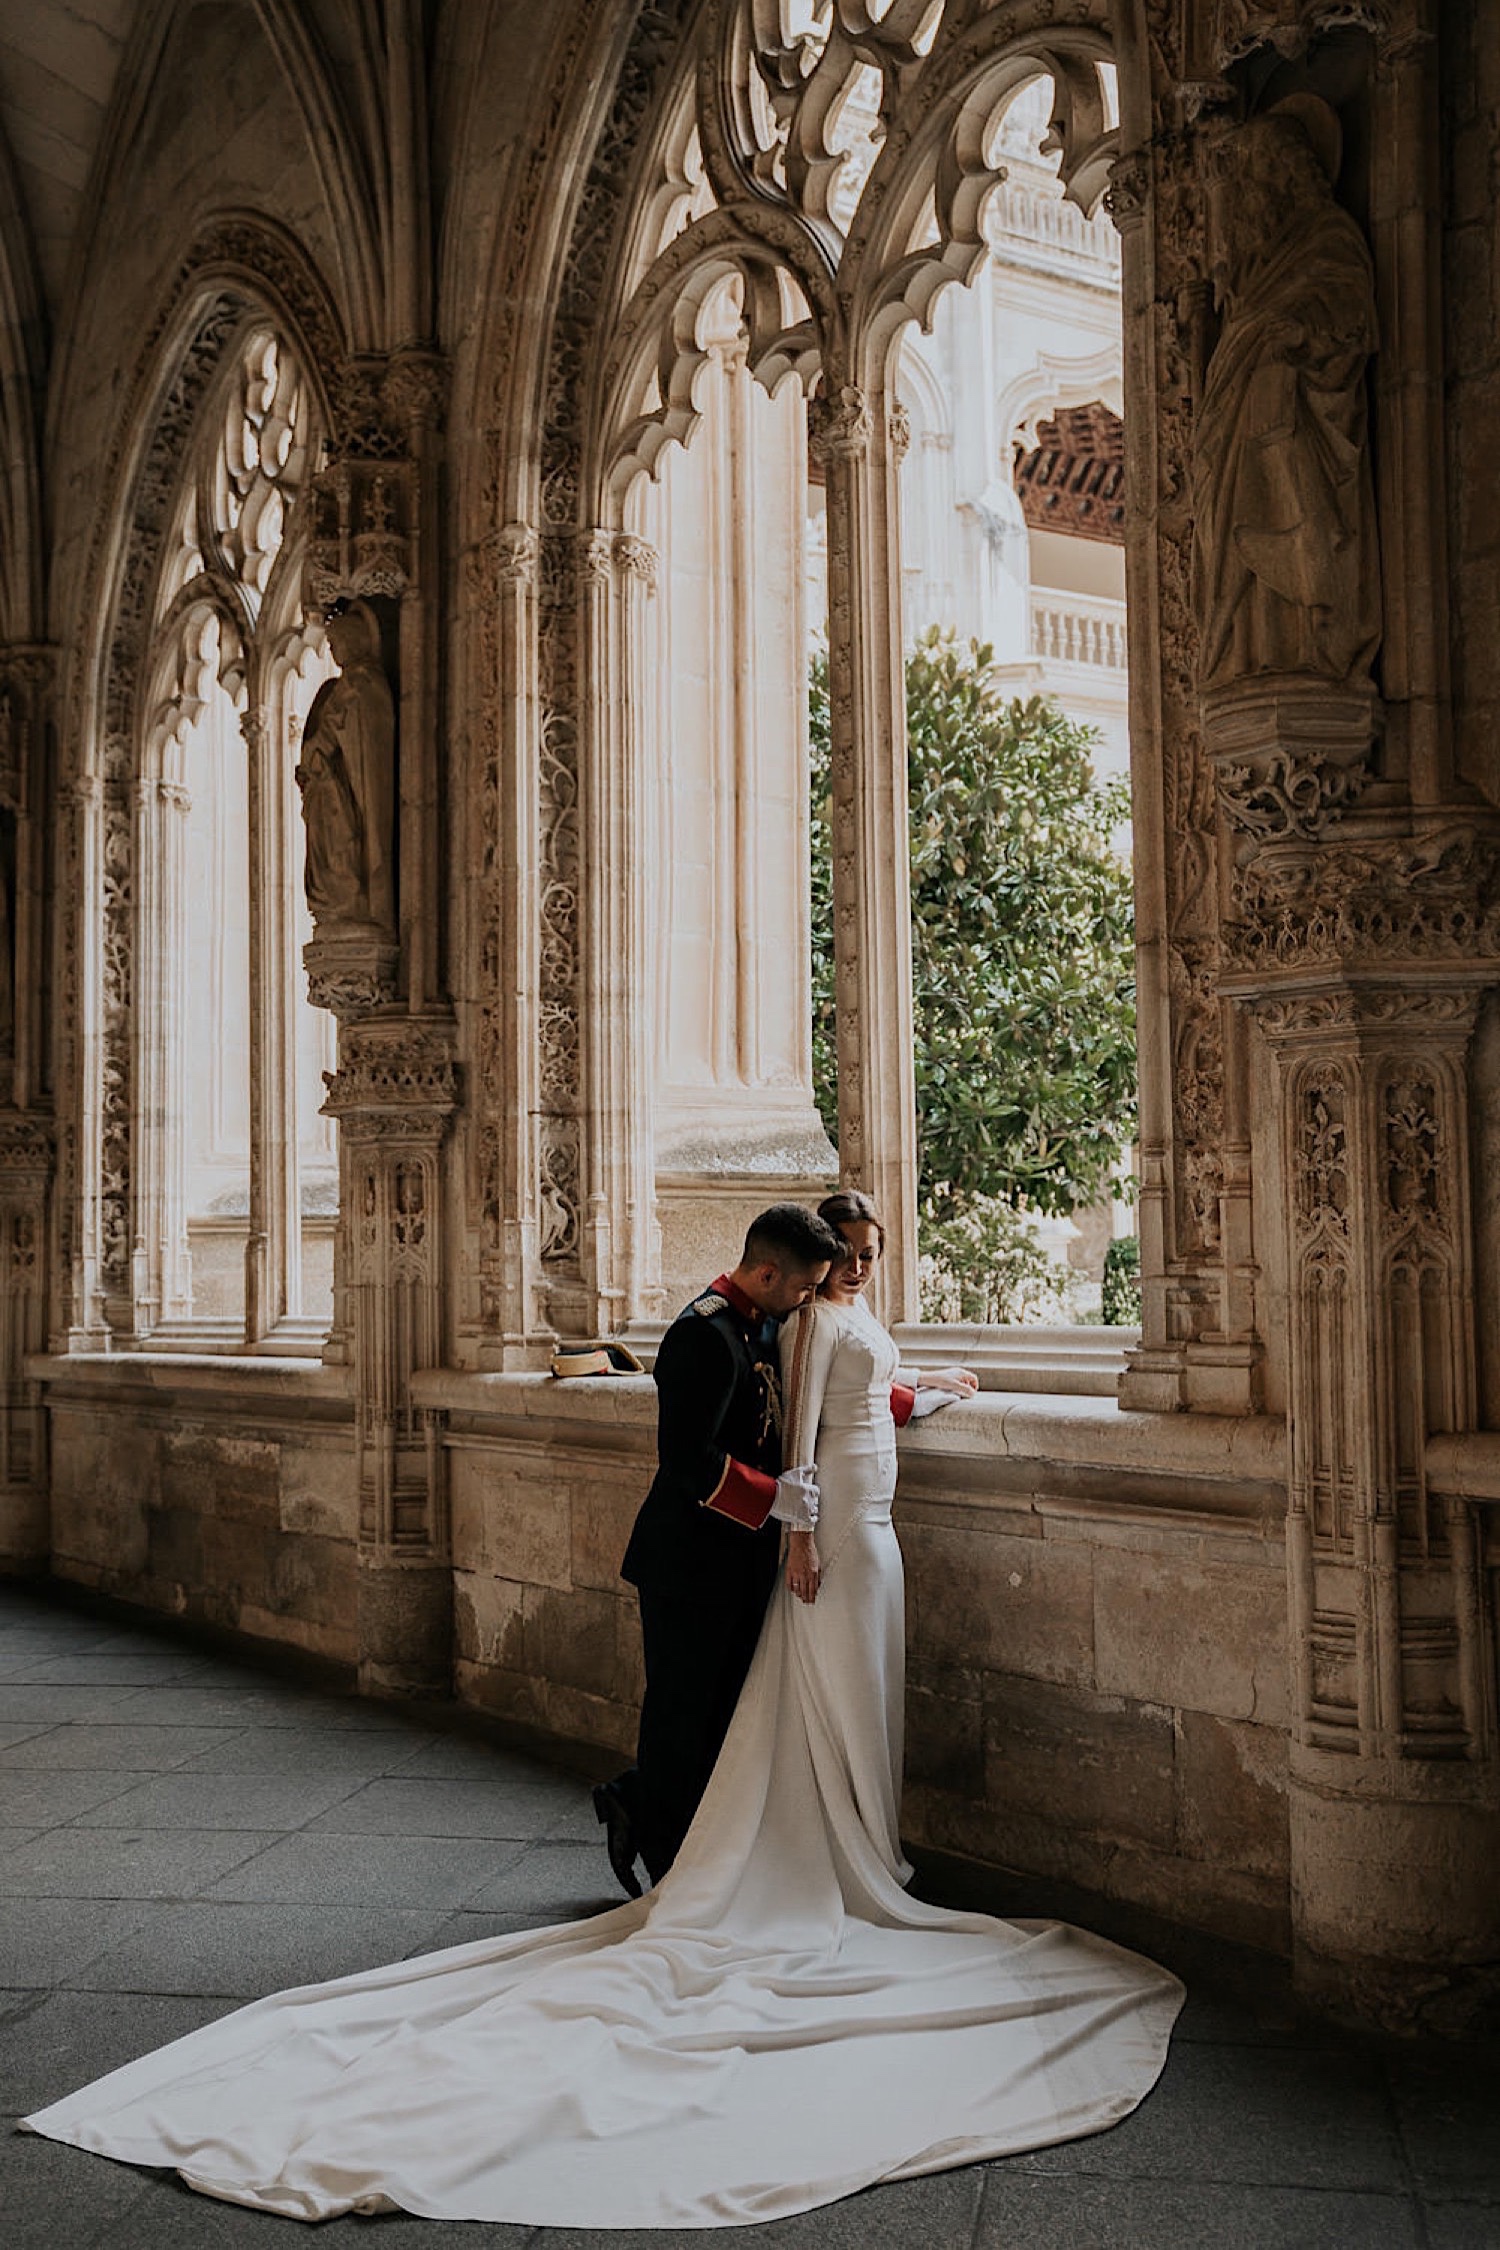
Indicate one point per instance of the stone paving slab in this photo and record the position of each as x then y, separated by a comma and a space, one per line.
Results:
212, 1800
366, 1870
1462, 2226
54, 1701
56, 2198
300, 1750
187, 1841
45, 1940
398, 1806
557, 1882
1230, 2114
1448, 2107
1112, 2214
214, 1704
109, 1668
108, 1863
54, 2041
243, 1949
23, 1730
45, 1798
110, 1749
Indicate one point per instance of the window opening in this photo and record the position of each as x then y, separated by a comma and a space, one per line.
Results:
238, 1197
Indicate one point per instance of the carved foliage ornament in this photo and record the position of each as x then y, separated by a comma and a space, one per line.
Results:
1240, 26
1414, 1185
1322, 1168
397, 1069
1430, 899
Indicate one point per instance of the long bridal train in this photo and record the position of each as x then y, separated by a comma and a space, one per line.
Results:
776, 2025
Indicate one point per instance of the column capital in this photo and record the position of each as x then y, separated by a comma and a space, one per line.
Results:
1128, 196
840, 427
517, 553
637, 559
397, 1078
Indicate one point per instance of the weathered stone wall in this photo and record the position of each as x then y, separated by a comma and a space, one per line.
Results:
211, 1491
1470, 142
1096, 1625
1098, 1664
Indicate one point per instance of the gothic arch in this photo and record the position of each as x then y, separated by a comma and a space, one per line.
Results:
823, 305
242, 271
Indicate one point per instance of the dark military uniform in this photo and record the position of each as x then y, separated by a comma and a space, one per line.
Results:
704, 1553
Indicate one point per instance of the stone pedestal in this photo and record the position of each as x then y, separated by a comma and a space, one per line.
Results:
1364, 957
25, 1179
394, 1094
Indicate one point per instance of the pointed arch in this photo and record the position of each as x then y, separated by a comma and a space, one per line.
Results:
240, 274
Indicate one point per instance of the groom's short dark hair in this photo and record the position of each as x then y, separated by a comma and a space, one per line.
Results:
788, 1235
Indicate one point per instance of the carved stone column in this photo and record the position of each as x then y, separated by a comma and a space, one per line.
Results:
1364, 960
623, 1256
26, 1131
376, 961
502, 1316
1199, 1347
848, 433
394, 1095
161, 1268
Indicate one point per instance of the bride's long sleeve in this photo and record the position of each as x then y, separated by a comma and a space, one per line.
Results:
808, 1342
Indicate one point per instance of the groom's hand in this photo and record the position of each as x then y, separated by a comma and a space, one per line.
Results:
802, 1569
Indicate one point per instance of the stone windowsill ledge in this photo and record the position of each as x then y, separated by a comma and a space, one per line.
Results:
1011, 1457
255, 1376
1023, 1423
1061, 1362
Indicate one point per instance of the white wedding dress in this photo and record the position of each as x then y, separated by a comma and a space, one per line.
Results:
777, 2024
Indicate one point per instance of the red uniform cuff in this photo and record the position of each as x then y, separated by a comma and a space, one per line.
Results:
743, 1494
902, 1402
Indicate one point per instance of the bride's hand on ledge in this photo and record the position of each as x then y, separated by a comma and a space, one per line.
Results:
802, 1570
961, 1381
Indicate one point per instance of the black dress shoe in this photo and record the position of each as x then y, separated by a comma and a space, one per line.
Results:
619, 1837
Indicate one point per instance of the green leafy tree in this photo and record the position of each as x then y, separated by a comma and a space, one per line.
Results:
1022, 958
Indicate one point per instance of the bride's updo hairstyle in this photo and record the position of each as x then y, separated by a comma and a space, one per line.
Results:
846, 1205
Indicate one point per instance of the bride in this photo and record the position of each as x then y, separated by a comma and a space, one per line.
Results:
775, 2025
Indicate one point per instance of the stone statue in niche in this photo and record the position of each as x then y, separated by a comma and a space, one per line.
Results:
347, 776
1285, 567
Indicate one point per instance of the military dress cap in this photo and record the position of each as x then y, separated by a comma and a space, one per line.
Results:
597, 1359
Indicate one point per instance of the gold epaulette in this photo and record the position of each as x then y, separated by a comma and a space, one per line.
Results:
710, 1303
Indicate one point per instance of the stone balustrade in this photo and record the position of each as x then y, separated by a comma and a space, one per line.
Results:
1071, 629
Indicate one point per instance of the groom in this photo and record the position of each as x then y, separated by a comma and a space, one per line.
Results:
703, 1555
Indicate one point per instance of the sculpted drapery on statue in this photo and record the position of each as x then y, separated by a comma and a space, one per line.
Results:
1286, 570
347, 776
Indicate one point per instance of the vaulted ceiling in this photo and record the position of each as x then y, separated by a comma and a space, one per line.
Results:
58, 64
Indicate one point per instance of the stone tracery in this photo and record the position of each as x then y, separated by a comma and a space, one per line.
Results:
823, 304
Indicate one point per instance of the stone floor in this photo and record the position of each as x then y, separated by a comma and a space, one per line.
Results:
183, 1826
